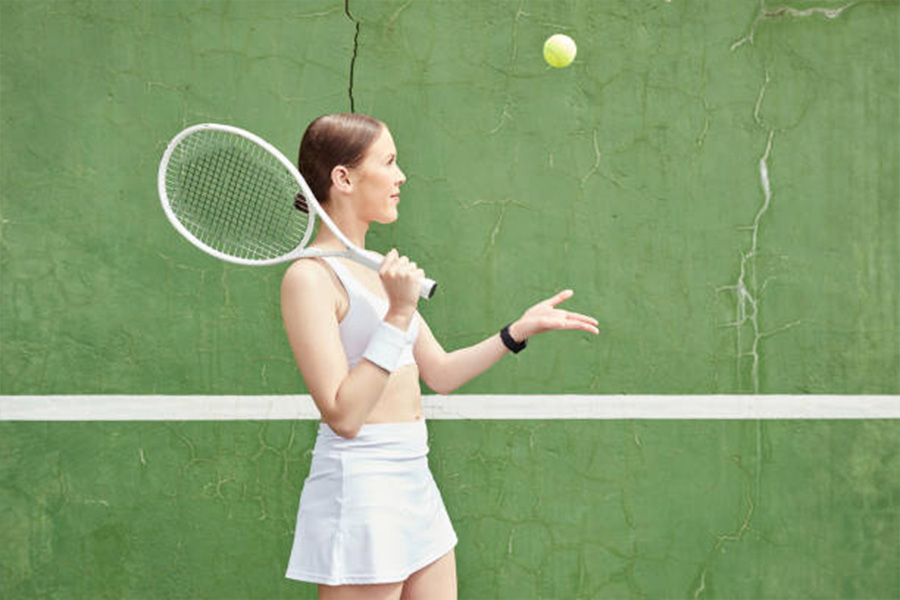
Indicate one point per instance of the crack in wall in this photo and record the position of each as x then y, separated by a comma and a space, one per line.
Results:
513, 54
354, 55
744, 527
779, 13
597, 157
749, 293
503, 204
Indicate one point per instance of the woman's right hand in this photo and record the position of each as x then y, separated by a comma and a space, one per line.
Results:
402, 280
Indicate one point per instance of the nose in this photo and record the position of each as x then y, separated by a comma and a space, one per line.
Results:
401, 177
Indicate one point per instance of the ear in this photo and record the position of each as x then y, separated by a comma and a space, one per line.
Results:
341, 180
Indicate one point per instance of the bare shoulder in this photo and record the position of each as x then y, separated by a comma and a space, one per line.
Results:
309, 279
304, 272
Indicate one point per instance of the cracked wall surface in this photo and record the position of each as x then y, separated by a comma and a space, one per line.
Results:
562, 510
718, 181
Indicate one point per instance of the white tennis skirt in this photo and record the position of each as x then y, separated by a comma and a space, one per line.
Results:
370, 511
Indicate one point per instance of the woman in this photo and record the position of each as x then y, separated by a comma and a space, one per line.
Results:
371, 522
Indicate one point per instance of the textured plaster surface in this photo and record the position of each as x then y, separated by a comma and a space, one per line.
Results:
718, 181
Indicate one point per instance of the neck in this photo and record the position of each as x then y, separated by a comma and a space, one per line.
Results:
350, 225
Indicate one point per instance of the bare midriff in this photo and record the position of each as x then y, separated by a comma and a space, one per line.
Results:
401, 401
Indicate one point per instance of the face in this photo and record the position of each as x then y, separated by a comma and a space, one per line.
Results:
377, 180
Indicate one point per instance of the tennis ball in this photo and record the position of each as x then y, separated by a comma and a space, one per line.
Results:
559, 50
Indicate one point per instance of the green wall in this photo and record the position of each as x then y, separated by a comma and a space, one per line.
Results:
633, 176
560, 509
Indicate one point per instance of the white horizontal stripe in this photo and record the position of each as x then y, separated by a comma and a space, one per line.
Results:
270, 408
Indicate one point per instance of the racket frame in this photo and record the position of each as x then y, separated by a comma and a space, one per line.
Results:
367, 258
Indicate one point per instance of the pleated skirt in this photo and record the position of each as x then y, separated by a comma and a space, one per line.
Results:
370, 511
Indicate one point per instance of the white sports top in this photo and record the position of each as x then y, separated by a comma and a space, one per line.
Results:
365, 313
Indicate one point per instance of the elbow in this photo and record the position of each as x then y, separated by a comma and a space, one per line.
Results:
440, 377
345, 432
441, 388
341, 422
344, 427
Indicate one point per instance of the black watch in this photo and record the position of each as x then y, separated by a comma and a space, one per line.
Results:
513, 346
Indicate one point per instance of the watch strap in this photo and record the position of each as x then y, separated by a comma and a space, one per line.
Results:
511, 344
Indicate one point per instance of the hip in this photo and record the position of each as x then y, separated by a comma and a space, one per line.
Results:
384, 463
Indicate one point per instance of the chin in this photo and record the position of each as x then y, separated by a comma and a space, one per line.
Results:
388, 217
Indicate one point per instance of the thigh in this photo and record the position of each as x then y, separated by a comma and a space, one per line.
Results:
436, 581
385, 591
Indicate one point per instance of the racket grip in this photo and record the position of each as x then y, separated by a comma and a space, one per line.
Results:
428, 288
373, 261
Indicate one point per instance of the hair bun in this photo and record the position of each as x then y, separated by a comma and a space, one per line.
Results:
300, 203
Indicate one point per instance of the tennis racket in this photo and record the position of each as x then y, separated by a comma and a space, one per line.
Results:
233, 195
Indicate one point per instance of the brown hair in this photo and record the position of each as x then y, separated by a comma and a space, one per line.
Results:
329, 141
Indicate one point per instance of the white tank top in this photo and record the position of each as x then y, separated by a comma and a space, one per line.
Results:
363, 316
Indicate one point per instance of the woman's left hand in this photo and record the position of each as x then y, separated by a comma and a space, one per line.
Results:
544, 316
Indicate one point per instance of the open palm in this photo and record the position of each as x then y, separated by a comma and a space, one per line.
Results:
545, 316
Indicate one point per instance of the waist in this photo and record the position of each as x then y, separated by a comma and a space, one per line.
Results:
395, 440
401, 400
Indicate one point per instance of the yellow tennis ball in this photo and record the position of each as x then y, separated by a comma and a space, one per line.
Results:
559, 50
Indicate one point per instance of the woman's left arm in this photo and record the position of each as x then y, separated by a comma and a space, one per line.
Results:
444, 372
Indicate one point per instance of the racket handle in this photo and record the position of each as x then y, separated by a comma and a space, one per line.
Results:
373, 261
428, 288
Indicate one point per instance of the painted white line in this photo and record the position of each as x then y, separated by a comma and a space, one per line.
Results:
463, 407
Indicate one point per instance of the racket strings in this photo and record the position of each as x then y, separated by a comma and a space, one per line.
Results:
242, 225
234, 196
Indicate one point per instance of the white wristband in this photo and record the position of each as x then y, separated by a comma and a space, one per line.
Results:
386, 347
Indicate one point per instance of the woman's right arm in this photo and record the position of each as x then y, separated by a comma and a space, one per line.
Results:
309, 303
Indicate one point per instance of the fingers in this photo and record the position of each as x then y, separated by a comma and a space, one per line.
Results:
389, 260
559, 320
396, 265
579, 318
580, 322
548, 317
401, 279
560, 297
